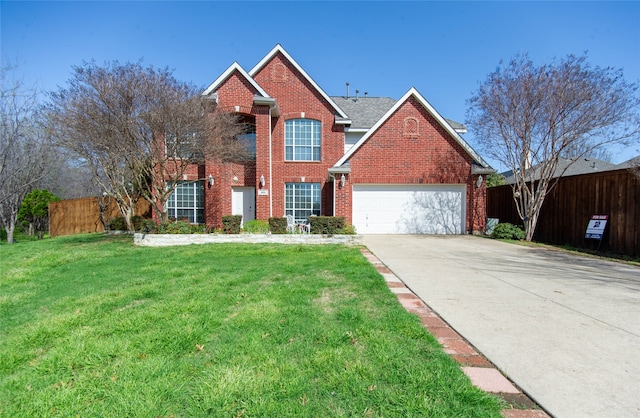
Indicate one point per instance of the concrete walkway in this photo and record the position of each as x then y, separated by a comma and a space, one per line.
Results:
565, 329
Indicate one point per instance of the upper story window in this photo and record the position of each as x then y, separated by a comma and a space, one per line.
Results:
248, 139
186, 146
302, 140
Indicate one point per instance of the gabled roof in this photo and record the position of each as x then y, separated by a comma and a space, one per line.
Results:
224, 76
364, 112
442, 121
340, 115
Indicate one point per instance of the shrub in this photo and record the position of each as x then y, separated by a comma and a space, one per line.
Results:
34, 211
231, 224
327, 225
278, 225
198, 229
508, 231
117, 224
256, 226
137, 221
347, 230
149, 226
178, 227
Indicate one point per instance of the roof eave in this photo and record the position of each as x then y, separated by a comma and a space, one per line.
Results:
267, 101
340, 170
226, 74
342, 121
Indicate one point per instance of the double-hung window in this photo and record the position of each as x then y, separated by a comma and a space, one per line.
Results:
187, 202
302, 200
185, 146
302, 140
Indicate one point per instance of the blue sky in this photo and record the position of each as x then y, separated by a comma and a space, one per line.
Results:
444, 49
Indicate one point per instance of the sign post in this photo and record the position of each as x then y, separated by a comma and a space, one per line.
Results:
596, 227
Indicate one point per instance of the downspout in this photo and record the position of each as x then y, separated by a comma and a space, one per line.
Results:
270, 167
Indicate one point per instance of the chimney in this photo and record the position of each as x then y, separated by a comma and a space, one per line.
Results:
357, 91
366, 94
347, 90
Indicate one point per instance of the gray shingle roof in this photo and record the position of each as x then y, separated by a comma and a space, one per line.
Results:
580, 166
634, 162
364, 112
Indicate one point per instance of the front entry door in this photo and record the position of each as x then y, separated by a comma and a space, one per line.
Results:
243, 202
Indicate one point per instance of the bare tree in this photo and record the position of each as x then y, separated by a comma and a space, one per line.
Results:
138, 128
25, 156
528, 117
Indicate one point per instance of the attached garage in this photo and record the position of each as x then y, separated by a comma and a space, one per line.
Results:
409, 209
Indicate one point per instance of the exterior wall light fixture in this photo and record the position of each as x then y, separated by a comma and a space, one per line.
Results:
342, 180
262, 181
211, 180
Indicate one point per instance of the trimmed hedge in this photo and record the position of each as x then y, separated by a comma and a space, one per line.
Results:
278, 225
231, 224
508, 231
327, 225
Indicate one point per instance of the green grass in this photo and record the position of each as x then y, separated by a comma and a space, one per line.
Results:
91, 325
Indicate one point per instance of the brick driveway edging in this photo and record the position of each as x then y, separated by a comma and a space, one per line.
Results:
482, 373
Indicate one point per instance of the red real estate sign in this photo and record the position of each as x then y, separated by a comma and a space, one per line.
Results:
597, 224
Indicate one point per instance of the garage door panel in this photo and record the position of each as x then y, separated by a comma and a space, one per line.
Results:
409, 209
433, 212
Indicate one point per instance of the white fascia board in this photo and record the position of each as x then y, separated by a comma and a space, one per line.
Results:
413, 92
347, 129
461, 131
279, 48
234, 67
342, 121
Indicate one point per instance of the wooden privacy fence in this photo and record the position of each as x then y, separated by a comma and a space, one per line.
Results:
567, 210
75, 216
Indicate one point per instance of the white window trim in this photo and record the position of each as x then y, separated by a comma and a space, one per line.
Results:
316, 126
172, 210
316, 193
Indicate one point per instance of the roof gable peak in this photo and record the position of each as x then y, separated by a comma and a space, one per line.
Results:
413, 92
227, 73
279, 49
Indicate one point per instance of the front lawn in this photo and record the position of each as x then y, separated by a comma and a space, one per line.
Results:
91, 325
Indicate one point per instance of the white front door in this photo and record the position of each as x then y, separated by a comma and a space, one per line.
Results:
243, 202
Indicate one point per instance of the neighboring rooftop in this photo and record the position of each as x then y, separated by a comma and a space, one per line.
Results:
577, 167
365, 111
634, 162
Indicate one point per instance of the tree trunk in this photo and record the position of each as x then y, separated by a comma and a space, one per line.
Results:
10, 229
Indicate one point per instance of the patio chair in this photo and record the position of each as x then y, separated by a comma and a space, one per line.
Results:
305, 228
291, 224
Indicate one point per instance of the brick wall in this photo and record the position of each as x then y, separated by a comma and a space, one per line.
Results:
409, 148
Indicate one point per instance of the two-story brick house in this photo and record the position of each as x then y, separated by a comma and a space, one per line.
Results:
387, 166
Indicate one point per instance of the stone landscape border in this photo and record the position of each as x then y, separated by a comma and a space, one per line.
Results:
165, 240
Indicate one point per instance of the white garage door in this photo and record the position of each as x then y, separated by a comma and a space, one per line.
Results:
409, 209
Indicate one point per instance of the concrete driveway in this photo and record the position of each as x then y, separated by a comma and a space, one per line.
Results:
566, 329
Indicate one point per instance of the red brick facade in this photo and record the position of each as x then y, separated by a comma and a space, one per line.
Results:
410, 146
